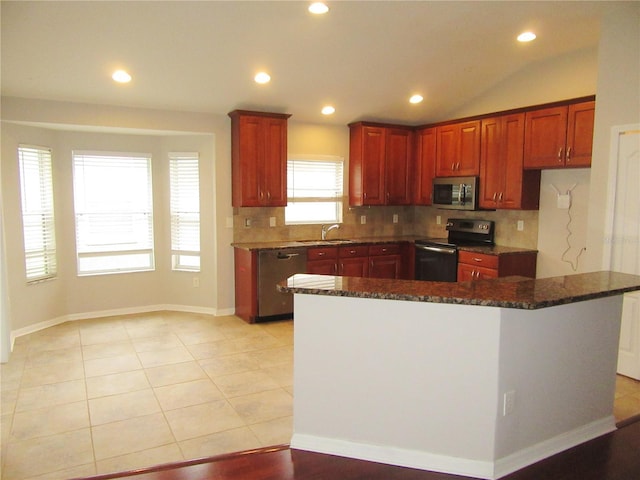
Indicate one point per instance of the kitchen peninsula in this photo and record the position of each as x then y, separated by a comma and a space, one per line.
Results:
474, 378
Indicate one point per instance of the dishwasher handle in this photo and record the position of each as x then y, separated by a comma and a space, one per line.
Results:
428, 248
286, 256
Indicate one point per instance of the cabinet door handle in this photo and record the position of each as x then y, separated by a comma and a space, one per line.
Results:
494, 196
500, 197
560, 154
458, 166
568, 154
453, 166
268, 195
261, 194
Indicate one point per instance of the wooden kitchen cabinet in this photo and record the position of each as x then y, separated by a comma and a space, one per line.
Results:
322, 260
379, 164
246, 284
425, 166
258, 159
559, 137
458, 149
504, 184
353, 261
477, 266
385, 261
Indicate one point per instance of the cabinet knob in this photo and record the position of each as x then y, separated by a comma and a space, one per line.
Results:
321, 254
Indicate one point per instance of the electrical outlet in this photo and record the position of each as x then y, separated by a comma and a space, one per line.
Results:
395, 218
564, 201
438, 220
247, 222
272, 221
520, 225
363, 219
509, 403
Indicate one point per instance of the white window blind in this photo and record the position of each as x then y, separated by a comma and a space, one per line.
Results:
314, 189
114, 214
185, 211
38, 223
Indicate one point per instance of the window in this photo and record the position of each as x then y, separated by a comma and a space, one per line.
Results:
314, 190
36, 185
185, 211
114, 215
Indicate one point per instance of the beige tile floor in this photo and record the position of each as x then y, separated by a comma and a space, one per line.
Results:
112, 394
97, 396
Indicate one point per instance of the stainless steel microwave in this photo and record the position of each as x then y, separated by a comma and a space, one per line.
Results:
457, 193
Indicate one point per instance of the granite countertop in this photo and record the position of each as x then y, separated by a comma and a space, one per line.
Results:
489, 250
319, 243
508, 292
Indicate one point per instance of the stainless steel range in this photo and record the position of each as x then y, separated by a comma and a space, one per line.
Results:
437, 258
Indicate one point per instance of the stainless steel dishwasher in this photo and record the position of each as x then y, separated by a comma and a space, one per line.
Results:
273, 267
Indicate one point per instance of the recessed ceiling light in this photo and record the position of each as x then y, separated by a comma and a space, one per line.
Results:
328, 110
526, 37
416, 98
318, 8
262, 77
121, 76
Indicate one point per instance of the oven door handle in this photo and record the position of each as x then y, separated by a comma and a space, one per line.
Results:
428, 248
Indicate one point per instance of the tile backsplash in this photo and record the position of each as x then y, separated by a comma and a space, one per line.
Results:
254, 224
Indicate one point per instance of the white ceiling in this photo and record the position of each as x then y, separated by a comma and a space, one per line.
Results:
366, 58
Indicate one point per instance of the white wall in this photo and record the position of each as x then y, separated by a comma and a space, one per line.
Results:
618, 103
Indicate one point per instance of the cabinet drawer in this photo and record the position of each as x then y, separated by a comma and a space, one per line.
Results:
479, 259
384, 249
322, 253
355, 251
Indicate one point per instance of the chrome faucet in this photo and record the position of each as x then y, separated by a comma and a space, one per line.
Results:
327, 228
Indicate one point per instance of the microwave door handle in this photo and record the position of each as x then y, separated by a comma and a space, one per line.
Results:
462, 194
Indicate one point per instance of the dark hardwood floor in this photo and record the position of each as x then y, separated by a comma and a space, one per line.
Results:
615, 456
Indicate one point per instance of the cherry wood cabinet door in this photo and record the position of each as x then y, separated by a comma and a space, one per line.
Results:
492, 176
398, 166
580, 134
385, 266
469, 149
458, 149
446, 151
259, 159
366, 165
512, 150
425, 168
322, 267
274, 166
545, 134
469, 273
353, 267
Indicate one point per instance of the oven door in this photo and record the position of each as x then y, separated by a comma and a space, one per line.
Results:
436, 263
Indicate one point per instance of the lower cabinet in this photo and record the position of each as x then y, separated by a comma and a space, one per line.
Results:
385, 261
477, 266
372, 260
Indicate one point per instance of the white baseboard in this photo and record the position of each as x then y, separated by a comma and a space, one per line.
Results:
454, 465
115, 312
550, 447
394, 456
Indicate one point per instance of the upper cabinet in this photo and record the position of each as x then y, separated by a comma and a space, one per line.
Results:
425, 166
259, 159
458, 149
559, 137
504, 183
379, 164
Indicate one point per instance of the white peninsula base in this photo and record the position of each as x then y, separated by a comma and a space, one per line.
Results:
463, 389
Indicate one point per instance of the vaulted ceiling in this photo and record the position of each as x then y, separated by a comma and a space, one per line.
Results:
365, 58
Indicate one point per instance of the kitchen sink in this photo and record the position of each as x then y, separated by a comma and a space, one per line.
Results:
333, 241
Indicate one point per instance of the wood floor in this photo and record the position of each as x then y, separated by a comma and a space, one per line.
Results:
615, 456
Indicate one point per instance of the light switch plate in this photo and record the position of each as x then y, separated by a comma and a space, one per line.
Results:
363, 219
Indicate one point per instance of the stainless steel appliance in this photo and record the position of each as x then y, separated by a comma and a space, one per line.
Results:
437, 258
273, 267
457, 193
